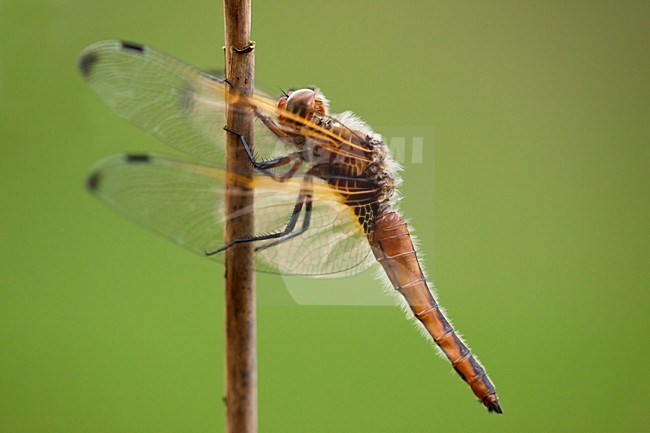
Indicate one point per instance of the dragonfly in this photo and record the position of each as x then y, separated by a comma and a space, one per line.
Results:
324, 184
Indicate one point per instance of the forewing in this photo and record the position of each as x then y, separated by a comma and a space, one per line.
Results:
169, 99
183, 201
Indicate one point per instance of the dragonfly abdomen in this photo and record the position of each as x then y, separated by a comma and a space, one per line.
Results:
392, 246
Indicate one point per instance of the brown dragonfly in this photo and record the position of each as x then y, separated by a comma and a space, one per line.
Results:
324, 189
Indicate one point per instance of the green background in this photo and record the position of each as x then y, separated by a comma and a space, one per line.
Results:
531, 206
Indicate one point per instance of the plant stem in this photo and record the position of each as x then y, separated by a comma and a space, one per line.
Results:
241, 360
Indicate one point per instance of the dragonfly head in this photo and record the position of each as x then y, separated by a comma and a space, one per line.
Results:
304, 103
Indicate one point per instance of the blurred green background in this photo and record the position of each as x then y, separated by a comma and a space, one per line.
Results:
531, 205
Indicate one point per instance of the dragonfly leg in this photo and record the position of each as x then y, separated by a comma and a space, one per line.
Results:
272, 126
295, 165
304, 228
264, 166
304, 199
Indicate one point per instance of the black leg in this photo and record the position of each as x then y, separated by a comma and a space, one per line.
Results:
303, 229
303, 197
295, 165
264, 166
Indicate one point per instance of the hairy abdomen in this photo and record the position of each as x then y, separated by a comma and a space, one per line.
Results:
392, 245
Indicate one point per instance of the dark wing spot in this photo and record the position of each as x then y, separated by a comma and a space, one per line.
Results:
92, 183
133, 46
86, 62
365, 212
138, 158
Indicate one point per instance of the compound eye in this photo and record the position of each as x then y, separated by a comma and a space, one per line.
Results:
282, 102
301, 100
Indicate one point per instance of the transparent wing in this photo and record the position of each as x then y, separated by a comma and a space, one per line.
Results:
184, 201
169, 99
184, 107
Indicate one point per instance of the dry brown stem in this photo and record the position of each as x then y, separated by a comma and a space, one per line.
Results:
241, 359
